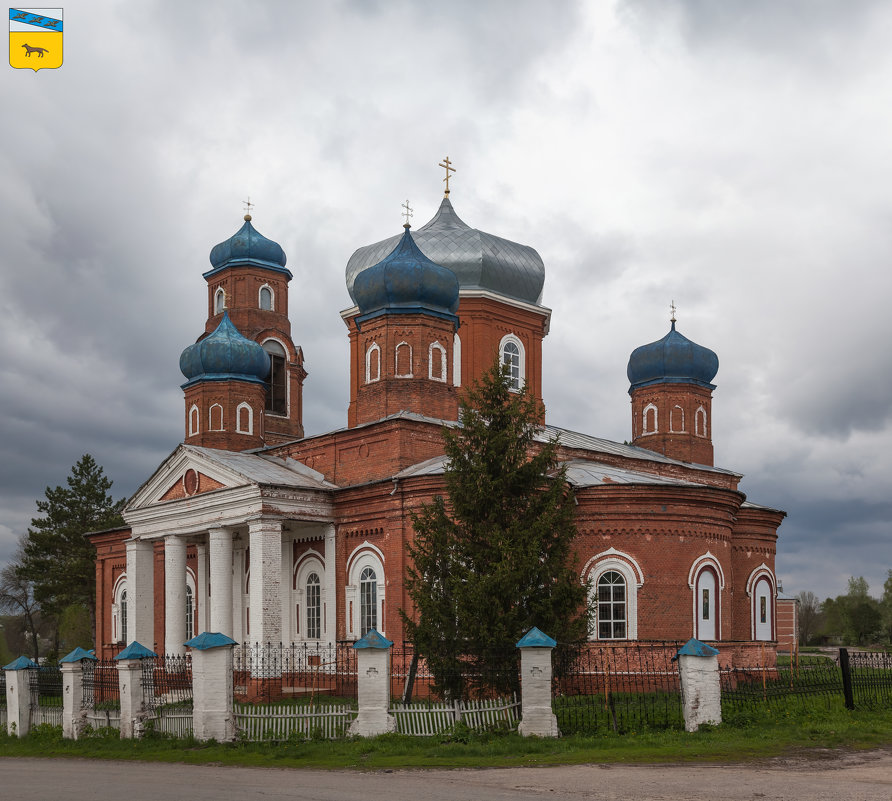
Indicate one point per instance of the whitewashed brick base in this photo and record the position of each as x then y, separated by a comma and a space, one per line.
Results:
132, 709
73, 718
373, 668
18, 702
701, 690
537, 717
212, 698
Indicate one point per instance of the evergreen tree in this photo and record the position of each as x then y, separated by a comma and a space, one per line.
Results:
496, 560
57, 559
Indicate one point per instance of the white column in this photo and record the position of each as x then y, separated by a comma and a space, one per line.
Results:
329, 598
237, 593
201, 586
265, 540
130, 690
174, 594
72, 699
286, 573
220, 558
141, 592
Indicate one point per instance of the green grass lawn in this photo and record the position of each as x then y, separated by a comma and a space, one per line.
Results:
745, 736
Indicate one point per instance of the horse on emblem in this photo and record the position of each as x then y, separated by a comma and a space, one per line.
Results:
39, 50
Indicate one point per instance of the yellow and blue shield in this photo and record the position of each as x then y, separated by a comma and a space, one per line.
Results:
35, 38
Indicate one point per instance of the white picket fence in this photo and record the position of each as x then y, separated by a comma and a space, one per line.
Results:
2, 718
176, 721
103, 718
46, 714
263, 722
425, 719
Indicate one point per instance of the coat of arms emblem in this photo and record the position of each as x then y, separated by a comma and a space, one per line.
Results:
35, 38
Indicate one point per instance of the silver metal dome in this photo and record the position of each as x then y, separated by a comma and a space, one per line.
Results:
479, 260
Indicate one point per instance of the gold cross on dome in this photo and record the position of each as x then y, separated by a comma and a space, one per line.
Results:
407, 213
248, 206
446, 164
672, 309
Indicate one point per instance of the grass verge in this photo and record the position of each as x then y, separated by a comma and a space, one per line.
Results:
742, 738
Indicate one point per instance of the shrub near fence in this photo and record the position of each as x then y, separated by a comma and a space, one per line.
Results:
620, 687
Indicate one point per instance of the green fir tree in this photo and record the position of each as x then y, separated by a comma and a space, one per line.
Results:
495, 558
56, 557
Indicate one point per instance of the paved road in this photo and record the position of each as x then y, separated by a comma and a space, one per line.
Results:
827, 777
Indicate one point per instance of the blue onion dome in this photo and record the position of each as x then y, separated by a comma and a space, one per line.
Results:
224, 355
674, 359
248, 247
406, 281
479, 260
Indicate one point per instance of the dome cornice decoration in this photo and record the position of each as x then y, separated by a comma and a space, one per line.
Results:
674, 359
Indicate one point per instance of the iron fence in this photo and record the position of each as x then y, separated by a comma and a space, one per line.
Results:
622, 687
272, 672
871, 678
167, 693
746, 688
101, 688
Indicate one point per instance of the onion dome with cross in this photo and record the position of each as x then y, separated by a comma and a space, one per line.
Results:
674, 359
250, 248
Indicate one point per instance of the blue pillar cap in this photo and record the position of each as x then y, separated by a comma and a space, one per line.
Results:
135, 651
535, 638
209, 639
374, 639
22, 663
694, 647
78, 655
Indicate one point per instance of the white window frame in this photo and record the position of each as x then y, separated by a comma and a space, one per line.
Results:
287, 357
628, 567
644, 429
521, 359
365, 555
272, 298
701, 563
396, 360
456, 360
119, 614
238, 418
762, 572
211, 417
369, 378
700, 420
219, 301
309, 562
436, 347
194, 420
672, 420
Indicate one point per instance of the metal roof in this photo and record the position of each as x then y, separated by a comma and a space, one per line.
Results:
259, 468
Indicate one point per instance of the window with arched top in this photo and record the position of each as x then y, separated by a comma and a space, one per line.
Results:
611, 606
368, 601
649, 419
403, 360
194, 420
373, 363
614, 579
122, 616
219, 301
456, 360
276, 381
215, 418
314, 607
244, 418
266, 298
700, 422
119, 610
190, 613
436, 356
513, 356
676, 419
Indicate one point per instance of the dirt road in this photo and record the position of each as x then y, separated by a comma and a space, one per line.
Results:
829, 776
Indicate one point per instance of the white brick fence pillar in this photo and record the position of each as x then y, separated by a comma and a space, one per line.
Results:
133, 711
537, 717
373, 672
73, 692
701, 690
18, 695
212, 697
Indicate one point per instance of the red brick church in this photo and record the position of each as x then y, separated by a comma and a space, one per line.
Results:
254, 529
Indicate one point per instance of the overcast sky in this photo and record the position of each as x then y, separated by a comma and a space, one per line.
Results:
735, 157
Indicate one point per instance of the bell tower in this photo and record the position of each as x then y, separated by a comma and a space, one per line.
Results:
671, 390
248, 281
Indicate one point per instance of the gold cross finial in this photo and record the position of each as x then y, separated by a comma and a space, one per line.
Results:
672, 309
446, 164
248, 206
407, 213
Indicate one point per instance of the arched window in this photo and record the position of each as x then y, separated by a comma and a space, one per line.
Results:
700, 422
314, 607
372, 363
611, 606
676, 419
276, 383
122, 616
456, 360
760, 587
266, 298
368, 601
649, 417
244, 415
219, 301
194, 420
215, 418
403, 360
190, 613
436, 357
511, 353
707, 605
